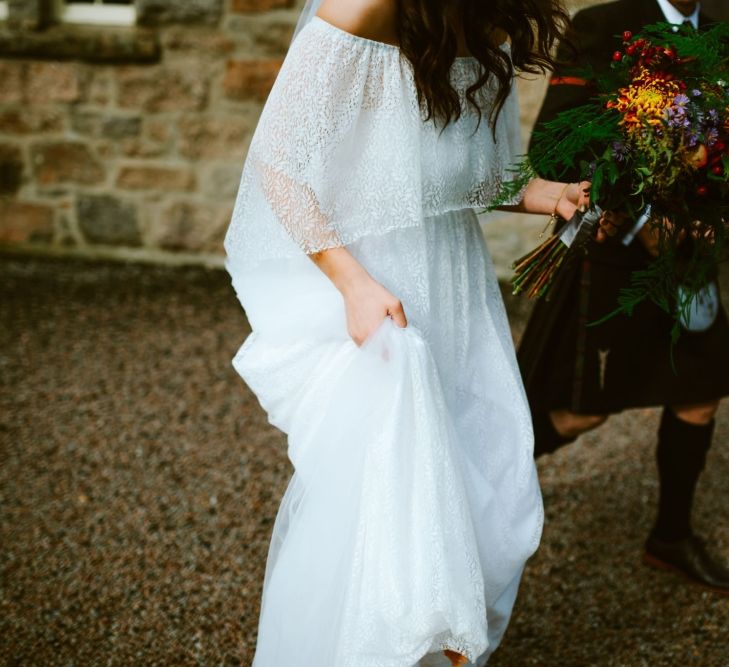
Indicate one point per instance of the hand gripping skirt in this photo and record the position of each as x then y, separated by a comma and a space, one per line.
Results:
415, 502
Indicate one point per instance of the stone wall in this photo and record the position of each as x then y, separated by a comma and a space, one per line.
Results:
128, 142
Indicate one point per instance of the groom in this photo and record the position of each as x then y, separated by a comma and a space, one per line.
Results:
576, 375
718, 10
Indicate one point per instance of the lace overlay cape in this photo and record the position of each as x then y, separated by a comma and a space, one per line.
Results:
341, 150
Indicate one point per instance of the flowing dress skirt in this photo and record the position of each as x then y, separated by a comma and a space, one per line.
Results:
415, 502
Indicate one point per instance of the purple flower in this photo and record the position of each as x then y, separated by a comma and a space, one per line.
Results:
678, 120
712, 136
696, 92
692, 138
681, 101
713, 116
620, 151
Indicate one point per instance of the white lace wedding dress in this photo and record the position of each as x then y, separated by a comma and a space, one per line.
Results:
415, 501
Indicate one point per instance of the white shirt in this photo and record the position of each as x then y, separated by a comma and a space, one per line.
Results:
674, 16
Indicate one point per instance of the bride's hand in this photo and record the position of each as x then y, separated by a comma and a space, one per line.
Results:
577, 197
367, 304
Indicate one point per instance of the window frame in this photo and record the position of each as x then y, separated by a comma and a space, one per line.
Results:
84, 13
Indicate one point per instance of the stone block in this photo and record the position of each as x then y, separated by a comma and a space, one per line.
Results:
215, 137
198, 42
259, 5
250, 79
121, 127
164, 12
11, 169
33, 120
155, 140
94, 44
148, 177
108, 220
65, 162
12, 76
24, 222
162, 88
193, 227
222, 181
100, 87
106, 149
104, 125
262, 35
52, 82
85, 122
29, 14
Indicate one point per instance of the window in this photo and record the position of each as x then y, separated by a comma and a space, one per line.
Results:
96, 12
3, 11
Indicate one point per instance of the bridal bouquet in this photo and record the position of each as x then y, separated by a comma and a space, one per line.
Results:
654, 140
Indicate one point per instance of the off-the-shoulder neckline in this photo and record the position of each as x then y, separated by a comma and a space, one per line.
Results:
382, 45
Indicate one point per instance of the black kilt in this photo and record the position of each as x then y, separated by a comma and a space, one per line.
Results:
626, 361
567, 362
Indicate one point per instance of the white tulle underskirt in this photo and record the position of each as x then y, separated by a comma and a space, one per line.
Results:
415, 502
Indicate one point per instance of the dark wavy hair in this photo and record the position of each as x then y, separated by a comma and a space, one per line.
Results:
428, 36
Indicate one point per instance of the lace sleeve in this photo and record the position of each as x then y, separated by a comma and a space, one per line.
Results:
298, 210
513, 146
335, 154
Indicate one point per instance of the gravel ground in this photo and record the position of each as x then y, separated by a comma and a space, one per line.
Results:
139, 480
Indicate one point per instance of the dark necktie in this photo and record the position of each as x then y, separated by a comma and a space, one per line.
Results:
686, 24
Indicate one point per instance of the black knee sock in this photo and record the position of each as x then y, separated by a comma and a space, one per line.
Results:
681, 454
546, 437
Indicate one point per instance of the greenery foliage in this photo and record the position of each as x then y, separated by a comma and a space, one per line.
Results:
656, 132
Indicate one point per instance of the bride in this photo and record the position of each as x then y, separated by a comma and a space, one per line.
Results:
380, 343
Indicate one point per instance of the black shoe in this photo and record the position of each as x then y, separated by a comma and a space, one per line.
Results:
690, 558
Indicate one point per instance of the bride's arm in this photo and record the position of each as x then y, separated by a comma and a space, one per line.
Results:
367, 303
546, 197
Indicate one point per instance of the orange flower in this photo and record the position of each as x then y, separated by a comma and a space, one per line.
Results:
645, 100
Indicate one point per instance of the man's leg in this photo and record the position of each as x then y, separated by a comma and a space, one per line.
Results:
555, 429
684, 438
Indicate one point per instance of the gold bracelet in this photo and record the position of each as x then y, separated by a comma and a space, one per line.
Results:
554, 217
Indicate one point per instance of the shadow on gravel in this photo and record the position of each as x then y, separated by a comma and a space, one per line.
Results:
139, 480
